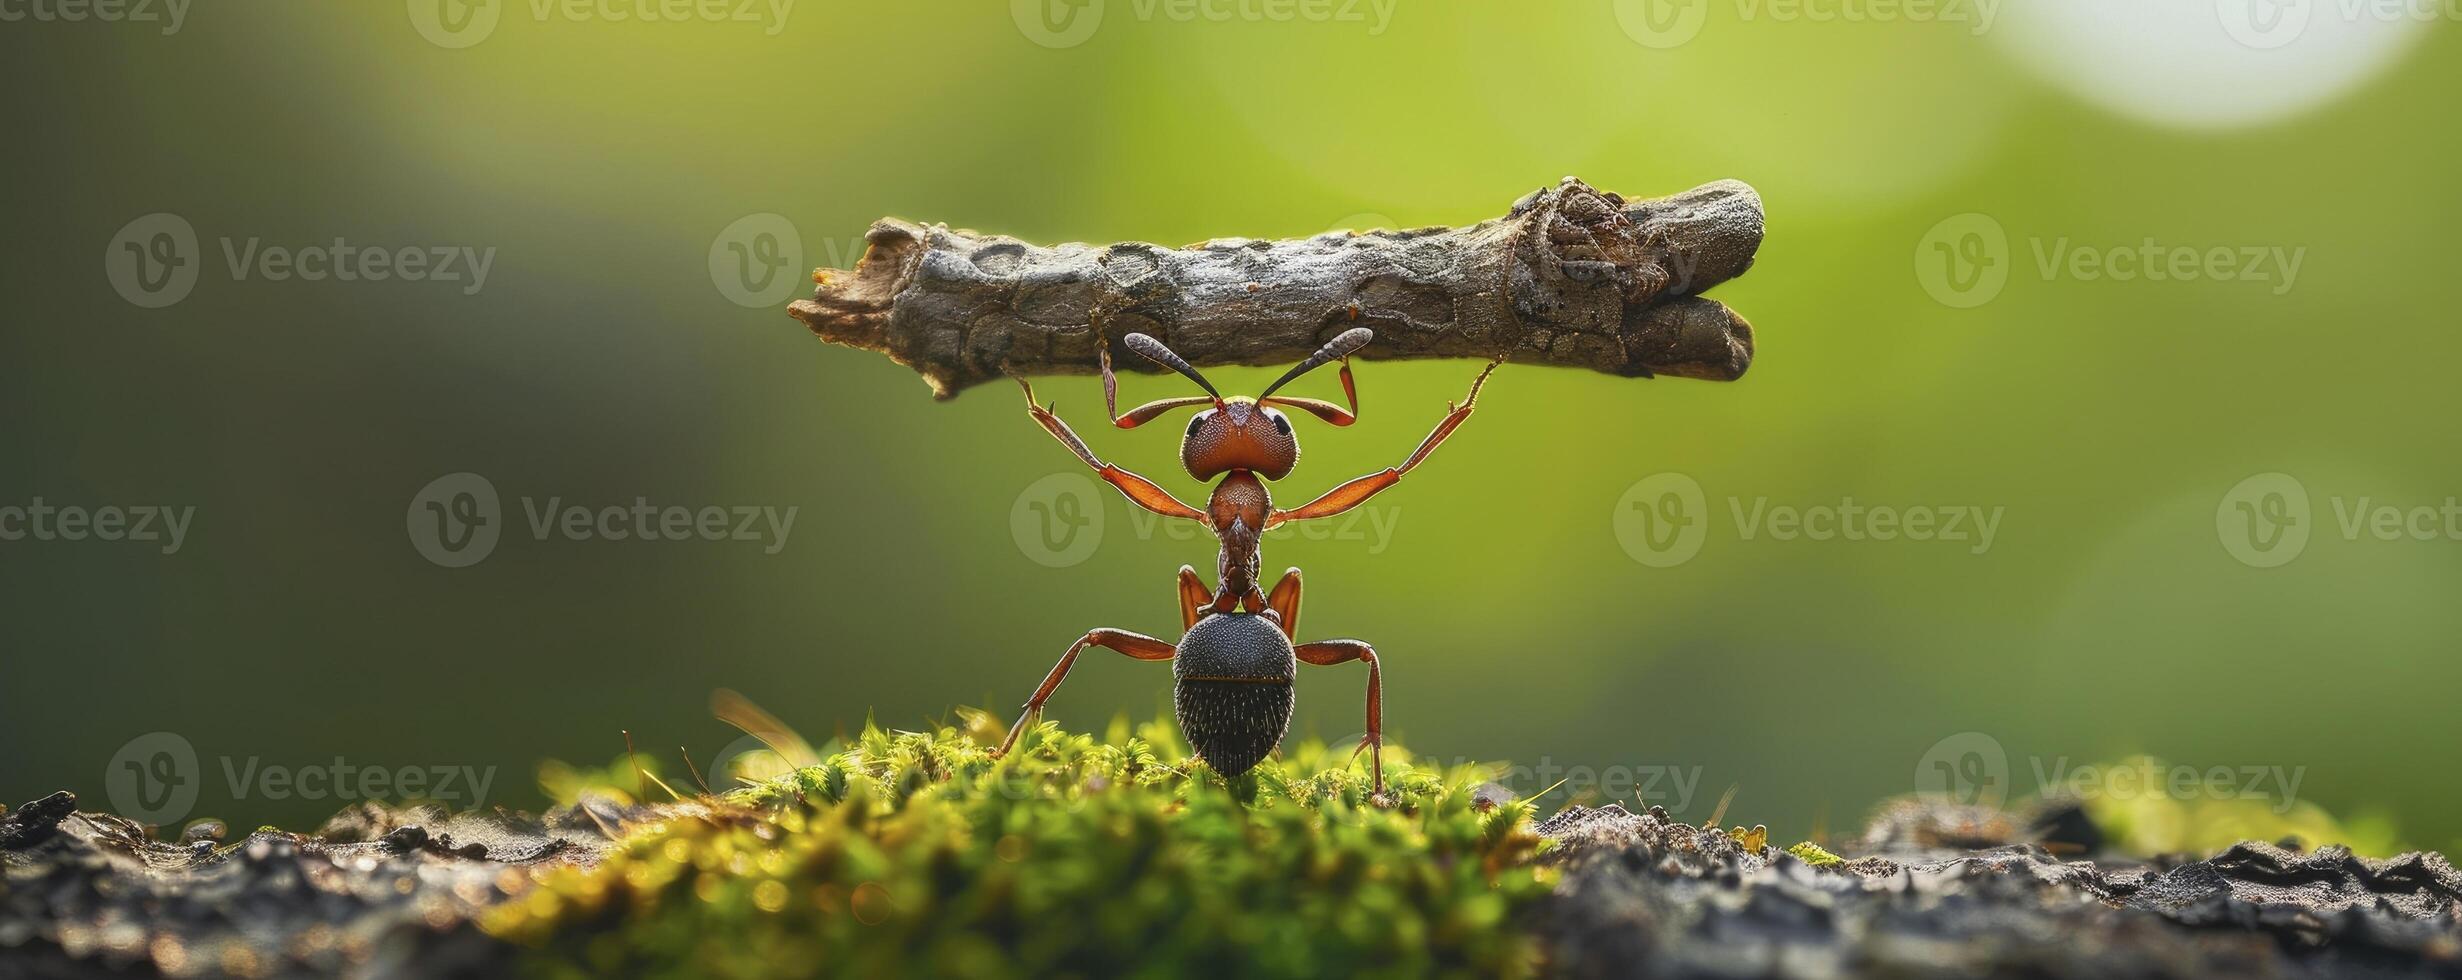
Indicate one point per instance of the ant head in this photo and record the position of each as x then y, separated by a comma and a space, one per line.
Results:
1241, 433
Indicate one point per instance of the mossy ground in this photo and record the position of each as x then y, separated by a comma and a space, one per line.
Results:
917, 853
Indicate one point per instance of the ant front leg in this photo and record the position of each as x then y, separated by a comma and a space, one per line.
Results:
1330, 652
1140, 491
1135, 645
1357, 491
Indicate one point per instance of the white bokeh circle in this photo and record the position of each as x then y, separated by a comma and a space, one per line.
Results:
2207, 64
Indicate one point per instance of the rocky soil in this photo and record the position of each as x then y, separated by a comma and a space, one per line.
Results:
1926, 891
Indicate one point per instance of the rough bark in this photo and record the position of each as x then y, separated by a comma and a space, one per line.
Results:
1935, 890
1928, 890
1570, 276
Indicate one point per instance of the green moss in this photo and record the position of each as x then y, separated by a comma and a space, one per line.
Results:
2147, 820
918, 854
1814, 854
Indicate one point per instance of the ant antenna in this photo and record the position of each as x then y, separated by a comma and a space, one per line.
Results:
1153, 350
1343, 345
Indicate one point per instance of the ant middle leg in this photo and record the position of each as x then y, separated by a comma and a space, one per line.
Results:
1193, 593
1135, 645
1284, 601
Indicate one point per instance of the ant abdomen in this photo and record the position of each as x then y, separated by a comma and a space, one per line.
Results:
1233, 691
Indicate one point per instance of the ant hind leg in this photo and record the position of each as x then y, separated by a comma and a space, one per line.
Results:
1134, 645
1330, 652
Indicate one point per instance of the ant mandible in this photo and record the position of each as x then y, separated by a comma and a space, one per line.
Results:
1234, 665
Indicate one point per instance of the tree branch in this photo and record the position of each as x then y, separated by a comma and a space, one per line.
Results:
1570, 276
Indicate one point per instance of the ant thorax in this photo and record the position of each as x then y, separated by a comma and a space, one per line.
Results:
1237, 513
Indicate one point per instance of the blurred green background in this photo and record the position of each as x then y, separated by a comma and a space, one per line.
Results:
606, 358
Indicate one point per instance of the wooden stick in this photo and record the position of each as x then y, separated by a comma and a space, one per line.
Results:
1570, 276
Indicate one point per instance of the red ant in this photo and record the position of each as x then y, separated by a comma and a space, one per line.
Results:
1234, 666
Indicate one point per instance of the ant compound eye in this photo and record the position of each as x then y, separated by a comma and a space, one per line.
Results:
1198, 423
1281, 425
